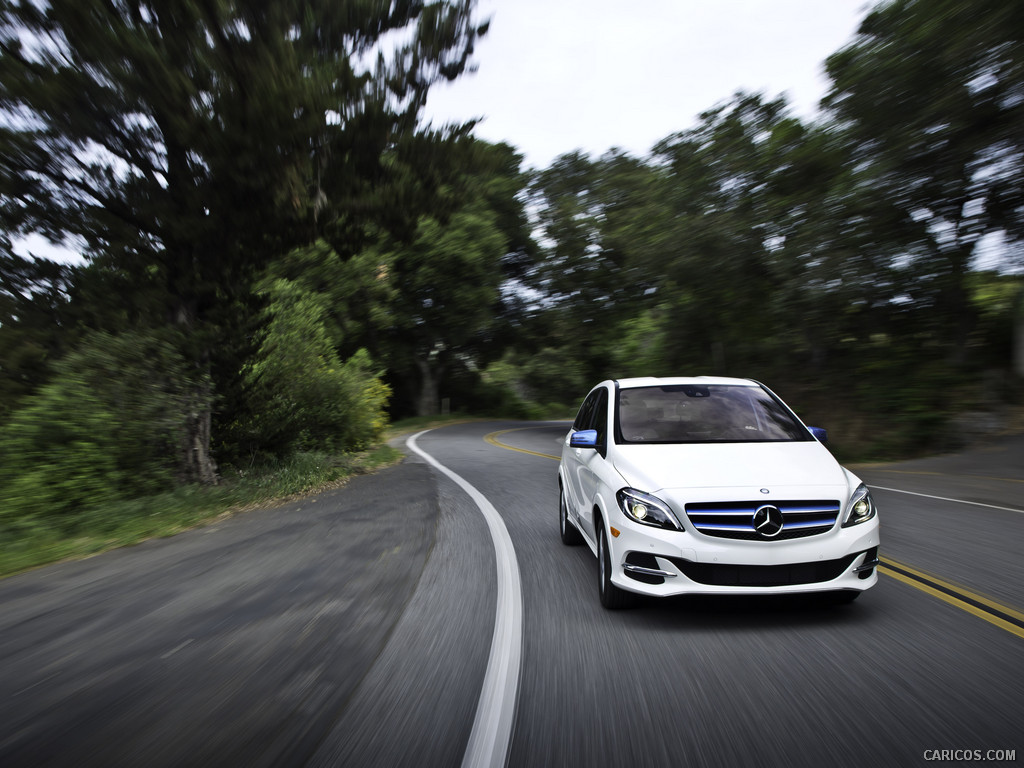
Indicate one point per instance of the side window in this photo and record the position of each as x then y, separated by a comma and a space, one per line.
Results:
585, 417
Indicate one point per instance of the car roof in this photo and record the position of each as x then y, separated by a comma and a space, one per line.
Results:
653, 381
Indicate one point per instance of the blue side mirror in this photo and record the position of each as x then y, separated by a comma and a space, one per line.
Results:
819, 434
585, 438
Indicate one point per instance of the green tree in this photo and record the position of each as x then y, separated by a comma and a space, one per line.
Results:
589, 215
300, 395
931, 95
446, 282
829, 277
430, 306
677, 244
188, 143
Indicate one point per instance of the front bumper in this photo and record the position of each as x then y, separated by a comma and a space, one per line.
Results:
654, 562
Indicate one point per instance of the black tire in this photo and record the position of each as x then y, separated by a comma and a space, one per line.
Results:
612, 597
569, 533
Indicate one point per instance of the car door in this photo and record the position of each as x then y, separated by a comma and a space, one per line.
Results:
573, 458
591, 461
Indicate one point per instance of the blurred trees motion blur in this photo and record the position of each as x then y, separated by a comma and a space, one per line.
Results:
273, 241
185, 146
839, 261
931, 101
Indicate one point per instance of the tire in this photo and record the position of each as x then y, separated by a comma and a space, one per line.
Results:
612, 597
570, 535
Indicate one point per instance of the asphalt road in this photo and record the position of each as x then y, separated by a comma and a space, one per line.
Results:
354, 629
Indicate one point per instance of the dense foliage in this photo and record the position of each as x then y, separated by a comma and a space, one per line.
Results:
278, 253
298, 392
110, 424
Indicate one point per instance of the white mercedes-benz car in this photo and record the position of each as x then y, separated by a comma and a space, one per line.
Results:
711, 485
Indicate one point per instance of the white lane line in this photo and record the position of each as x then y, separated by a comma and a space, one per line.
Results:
176, 649
491, 736
943, 498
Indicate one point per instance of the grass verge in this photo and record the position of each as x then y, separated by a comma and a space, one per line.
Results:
29, 544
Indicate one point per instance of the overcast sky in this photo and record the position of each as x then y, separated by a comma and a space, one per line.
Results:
559, 75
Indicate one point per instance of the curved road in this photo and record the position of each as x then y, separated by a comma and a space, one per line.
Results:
356, 628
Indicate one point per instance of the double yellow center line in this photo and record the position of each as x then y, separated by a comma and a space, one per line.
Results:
493, 440
960, 597
995, 613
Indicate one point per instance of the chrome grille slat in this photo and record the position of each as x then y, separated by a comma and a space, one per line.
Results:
723, 513
734, 519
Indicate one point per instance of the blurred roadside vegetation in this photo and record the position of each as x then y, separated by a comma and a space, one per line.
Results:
279, 258
110, 519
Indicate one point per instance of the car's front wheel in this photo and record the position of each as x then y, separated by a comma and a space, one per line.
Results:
570, 535
612, 597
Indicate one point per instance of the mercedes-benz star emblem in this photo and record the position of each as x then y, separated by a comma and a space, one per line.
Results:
767, 521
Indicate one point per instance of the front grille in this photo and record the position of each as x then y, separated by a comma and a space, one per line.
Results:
714, 574
735, 519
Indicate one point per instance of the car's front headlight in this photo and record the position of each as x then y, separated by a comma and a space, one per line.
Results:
645, 509
862, 507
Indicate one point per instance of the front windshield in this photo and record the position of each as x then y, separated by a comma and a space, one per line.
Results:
703, 414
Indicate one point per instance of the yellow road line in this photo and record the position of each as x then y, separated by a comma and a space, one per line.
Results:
957, 603
493, 440
958, 589
953, 594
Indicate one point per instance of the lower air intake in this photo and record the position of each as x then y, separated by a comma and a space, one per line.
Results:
714, 574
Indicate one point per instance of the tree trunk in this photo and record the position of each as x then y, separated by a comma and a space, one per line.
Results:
197, 464
427, 403
180, 259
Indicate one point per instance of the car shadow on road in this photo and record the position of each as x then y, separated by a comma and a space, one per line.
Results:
750, 612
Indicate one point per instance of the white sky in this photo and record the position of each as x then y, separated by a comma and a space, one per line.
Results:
559, 75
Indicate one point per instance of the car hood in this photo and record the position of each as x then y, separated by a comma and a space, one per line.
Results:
653, 468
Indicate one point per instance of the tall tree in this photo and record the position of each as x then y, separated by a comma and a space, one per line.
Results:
430, 304
187, 143
445, 299
717, 192
589, 215
932, 95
